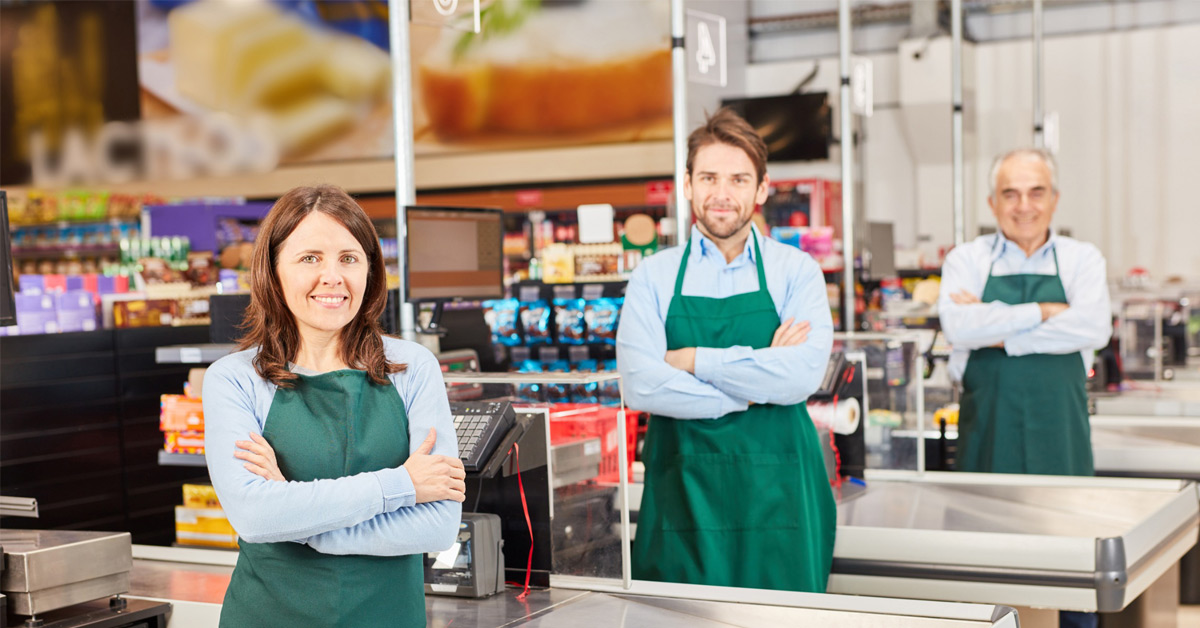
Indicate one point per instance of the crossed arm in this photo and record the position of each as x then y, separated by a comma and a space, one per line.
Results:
1082, 323
708, 382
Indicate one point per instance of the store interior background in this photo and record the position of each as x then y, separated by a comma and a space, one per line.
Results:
1121, 83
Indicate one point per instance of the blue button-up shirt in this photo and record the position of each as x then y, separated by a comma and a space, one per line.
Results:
1085, 327
726, 379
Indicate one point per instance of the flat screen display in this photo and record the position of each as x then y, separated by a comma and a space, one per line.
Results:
795, 127
8, 309
455, 253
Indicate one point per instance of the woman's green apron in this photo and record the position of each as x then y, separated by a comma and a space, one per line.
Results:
742, 500
329, 426
1024, 414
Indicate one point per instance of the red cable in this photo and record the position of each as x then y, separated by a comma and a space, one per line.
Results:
525, 505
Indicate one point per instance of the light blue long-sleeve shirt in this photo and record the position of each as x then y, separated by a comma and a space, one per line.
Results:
371, 513
726, 379
1083, 328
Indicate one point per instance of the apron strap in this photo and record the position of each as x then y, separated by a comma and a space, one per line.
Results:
687, 253
758, 261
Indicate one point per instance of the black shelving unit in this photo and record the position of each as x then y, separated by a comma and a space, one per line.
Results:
80, 430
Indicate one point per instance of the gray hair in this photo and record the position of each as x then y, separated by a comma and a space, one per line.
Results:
1027, 154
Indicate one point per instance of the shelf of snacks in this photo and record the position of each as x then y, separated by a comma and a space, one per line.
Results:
170, 459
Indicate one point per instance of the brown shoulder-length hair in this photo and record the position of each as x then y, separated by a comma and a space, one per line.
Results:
271, 326
727, 127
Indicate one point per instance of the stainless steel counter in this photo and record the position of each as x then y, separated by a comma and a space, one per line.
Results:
1155, 399
196, 589
1142, 446
1046, 541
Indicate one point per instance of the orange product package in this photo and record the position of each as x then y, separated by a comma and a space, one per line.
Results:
180, 413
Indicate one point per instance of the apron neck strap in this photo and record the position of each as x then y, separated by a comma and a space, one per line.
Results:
687, 254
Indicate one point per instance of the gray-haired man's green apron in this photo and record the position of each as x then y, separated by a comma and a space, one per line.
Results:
742, 500
1024, 414
329, 426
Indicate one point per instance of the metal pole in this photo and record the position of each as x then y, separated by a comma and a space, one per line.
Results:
956, 131
847, 140
1039, 139
683, 209
402, 129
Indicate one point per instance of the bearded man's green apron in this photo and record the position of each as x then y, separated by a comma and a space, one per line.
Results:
1024, 414
741, 500
331, 425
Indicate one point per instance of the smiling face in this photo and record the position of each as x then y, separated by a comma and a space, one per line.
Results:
723, 189
1024, 201
323, 273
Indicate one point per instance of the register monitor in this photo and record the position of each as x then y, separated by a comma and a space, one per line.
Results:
454, 253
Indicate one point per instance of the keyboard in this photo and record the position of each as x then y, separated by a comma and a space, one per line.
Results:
480, 426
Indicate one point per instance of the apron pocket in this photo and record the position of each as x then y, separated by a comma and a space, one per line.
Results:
732, 492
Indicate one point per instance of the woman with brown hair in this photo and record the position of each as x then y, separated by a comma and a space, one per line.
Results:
330, 446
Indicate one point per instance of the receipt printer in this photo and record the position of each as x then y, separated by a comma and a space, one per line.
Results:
474, 565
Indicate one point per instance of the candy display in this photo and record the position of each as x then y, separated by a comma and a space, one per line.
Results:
535, 322
501, 317
569, 317
602, 316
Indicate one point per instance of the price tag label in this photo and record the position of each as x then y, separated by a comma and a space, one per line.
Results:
189, 355
593, 291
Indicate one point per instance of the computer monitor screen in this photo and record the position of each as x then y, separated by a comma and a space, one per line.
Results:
455, 253
8, 308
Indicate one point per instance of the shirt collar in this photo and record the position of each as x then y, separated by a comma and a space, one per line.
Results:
1001, 246
708, 247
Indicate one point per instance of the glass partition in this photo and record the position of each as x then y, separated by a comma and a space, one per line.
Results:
890, 389
575, 434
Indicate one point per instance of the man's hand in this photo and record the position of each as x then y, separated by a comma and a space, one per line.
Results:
259, 457
962, 297
682, 359
789, 335
436, 478
1050, 310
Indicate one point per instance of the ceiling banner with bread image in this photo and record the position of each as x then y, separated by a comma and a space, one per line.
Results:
540, 73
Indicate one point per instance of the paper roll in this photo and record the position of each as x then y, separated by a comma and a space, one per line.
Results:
844, 420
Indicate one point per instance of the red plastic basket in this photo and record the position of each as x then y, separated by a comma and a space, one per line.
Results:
573, 421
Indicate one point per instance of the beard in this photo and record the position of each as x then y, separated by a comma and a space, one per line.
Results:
719, 229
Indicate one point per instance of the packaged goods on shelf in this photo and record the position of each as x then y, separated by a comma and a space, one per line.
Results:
144, 313
207, 527
183, 442
181, 413
200, 496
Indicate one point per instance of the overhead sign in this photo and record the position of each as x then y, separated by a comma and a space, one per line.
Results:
705, 46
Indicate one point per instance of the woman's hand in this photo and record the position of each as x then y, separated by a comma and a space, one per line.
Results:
436, 477
259, 457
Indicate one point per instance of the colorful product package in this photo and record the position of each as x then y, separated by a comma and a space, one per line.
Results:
532, 393
586, 393
610, 391
572, 326
558, 393
602, 316
535, 322
501, 317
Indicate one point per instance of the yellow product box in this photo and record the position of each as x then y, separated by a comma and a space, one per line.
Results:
180, 413
183, 442
200, 496
203, 526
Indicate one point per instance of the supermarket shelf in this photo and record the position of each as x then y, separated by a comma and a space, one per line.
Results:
71, 252
529, 378
192, 354
65, 224
166, 458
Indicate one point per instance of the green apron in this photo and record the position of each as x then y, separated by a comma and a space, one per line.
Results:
742, 500
330, 425
1024, 414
